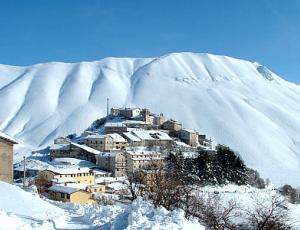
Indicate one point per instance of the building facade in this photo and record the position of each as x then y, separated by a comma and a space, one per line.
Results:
114, 162
69, 194
190, 137
6, 158
172, 125
137, 160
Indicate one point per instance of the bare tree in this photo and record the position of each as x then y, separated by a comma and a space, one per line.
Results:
104, 200
269, 214
42, 183
135, 183
215, 213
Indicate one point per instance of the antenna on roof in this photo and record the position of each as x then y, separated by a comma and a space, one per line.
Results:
107, 106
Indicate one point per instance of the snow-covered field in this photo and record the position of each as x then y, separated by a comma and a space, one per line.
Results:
23, 211
236, 102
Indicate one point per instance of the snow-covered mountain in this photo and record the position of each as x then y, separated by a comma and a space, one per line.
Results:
236, 102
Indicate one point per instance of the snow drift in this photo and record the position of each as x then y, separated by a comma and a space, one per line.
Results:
236, 102
23, 210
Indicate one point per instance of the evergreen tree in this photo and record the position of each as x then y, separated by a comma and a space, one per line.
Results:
230, 166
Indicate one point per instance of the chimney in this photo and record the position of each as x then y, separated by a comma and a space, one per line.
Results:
107, 106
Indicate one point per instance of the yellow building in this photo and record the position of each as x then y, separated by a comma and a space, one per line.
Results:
69, 194
6, 157
65, 175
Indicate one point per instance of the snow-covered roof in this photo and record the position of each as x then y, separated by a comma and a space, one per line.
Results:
142, 152
86, 148
189, 130
117, 186
117, 137
60, 147
32, 164
68, 161
8, 138
100, 172
131, 137
135, 122
95, 136
77, 185
151, 135
109, 179
180, 143
173, 121
114, 124
63, 180
63, 189
64, 171
109, 154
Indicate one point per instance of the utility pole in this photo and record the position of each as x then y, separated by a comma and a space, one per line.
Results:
107, 106
24, 173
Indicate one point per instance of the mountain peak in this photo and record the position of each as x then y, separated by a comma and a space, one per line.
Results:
236, 102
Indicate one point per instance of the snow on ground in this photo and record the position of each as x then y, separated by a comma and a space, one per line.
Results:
24, 208
247, 197
25, 211
138, 215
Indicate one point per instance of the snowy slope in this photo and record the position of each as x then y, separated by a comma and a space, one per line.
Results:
24, 208
236, 102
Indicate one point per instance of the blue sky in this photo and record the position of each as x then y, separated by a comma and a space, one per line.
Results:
267, 31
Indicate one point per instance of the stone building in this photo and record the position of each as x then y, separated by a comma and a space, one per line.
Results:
158, 119
147, 138
6, 157
132, 139
99, 142
106, 142
118, 142
173, 126
115, 127
137, 160
74, 150
190, 137
61, 140
126, 112
114, 162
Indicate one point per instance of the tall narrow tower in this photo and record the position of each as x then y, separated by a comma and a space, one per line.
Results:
107, 106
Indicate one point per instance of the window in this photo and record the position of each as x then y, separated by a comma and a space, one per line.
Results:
68, 196
62, 195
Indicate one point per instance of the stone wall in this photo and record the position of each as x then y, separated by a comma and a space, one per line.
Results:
6, 161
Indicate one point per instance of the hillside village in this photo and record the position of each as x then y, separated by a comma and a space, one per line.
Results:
94, 164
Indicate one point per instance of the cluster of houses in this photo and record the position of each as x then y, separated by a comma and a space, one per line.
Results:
130, 139
127, 144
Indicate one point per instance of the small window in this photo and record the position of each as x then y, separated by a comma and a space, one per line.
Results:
68, 196
62, 195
